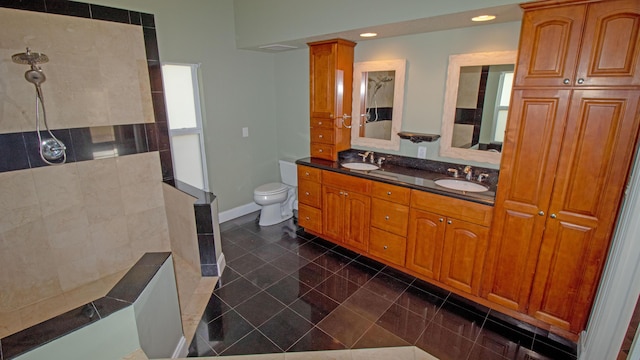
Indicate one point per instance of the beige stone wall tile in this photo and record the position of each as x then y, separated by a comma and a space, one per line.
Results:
110, 234
141, 197
10, 323
399, 353
206, 285
44, 310
112, 279
182, 224
68, 226
86, 293
98, 175
318, 355
103, 205
115, 259
420, 354
139, 168
58, 188
77, 273
148, 231
18, 189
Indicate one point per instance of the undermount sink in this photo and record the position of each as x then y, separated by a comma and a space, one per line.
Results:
360, 166
462, 185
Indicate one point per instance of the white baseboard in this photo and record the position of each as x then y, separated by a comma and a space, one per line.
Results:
182, 349
238, 211
221, 263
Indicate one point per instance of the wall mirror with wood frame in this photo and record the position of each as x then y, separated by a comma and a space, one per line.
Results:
476, 105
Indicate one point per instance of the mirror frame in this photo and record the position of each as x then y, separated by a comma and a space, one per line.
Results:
361, 68
451, 94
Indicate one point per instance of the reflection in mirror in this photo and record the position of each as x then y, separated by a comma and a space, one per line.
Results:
476, 105
378, 88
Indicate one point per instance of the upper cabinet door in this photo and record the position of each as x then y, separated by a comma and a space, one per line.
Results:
323, 82
549, 44
611, 45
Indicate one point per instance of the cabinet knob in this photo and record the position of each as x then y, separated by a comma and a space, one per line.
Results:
307, 218
581, 81
566, 81
341, 193
553, 216
441, 219
319, 122
320, 150
346, 194
306, 193
385, 247
306, 173
386, 217
388, 192
541, 213
330, 116
320, 136
449, 221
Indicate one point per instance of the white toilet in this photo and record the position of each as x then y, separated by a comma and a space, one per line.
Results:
277, 199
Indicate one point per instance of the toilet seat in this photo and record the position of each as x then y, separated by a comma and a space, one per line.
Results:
271, 189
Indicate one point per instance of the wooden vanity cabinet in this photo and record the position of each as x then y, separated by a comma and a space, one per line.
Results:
389, 222
310, 198
331, 83
448, 239
602, 38
566, 157
346, 209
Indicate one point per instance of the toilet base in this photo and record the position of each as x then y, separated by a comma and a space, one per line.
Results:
272, 214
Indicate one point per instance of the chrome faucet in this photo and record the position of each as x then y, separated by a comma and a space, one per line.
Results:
366, 155
468, 170
380, 160
481, 177
371, 156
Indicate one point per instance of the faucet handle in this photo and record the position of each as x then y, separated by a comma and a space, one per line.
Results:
364, 156
454, 171
481, 177
380, 160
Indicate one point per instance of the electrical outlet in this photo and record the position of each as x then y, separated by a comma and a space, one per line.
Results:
245, 132
422, 152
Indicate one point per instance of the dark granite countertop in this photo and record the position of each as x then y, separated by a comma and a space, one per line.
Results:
393, 172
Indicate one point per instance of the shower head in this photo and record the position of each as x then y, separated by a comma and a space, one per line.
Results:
30, 58
35, 76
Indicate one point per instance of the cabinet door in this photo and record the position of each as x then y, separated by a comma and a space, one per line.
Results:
549, 45
464, 250
598, 146
424, 243
333, 217
322, 67
357, 213
529, 161
611, 44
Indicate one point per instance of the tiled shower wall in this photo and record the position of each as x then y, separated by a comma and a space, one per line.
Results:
64, 226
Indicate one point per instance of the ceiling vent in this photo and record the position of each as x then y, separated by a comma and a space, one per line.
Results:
277, 47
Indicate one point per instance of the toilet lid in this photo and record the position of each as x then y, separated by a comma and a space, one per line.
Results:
271, 188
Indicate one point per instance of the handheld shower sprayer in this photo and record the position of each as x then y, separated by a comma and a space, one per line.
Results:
51, 150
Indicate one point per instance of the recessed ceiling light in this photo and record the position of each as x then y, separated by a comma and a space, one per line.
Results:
368, 34
483, 18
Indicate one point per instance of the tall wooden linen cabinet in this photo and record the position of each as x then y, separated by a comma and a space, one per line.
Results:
570, 139
331, 83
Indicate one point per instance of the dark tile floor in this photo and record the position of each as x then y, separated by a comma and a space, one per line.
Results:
285, 290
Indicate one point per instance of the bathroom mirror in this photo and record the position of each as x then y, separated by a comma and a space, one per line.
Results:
378, 90
476, 105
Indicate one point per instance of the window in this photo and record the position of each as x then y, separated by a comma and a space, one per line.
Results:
185, 123
502, 106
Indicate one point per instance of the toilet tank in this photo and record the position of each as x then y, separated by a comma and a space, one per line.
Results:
288, 172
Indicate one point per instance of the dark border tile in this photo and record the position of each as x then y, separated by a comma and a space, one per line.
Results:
69, 8
148, 20
15, 153
31, 5
99, 12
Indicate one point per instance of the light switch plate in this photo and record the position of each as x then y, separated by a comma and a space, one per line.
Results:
245, 132
422, 152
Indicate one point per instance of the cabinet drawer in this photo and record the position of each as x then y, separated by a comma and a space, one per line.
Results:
455, 208
389, 216
310, 218
398, 194
322, 123
309, 173
310, 193
323, 151
322, 135
346, 182
387, 246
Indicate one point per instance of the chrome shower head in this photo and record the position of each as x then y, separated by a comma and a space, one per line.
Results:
35, 76
30, 58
